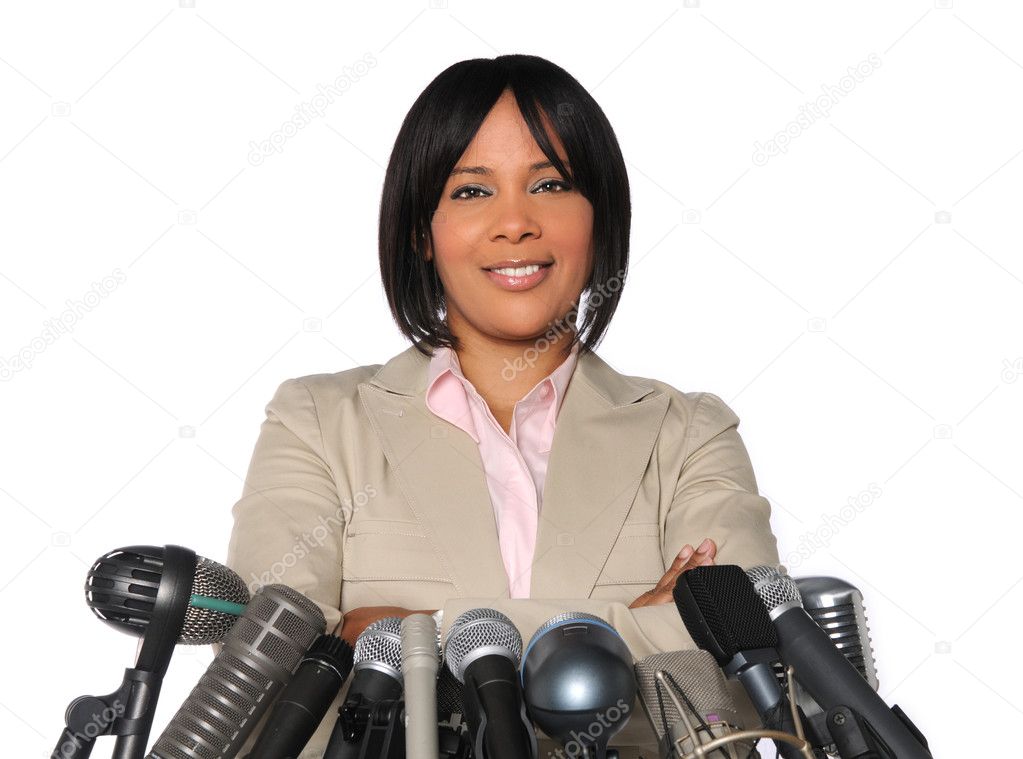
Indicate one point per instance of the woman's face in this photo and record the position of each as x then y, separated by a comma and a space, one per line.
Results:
508, 211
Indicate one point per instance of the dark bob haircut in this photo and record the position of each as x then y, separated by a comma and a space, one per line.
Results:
437, 130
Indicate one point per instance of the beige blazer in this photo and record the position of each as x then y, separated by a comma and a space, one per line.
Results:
358, 495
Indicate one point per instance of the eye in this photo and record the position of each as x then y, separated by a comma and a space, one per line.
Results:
565, 187
458, 194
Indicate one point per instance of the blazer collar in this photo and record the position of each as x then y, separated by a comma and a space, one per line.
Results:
605, 434
406, 374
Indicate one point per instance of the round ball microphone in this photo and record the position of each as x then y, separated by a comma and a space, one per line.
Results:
579, 682
122, 585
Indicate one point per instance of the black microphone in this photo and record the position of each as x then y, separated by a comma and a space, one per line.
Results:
166, 595
302, 704
482, 649
377, 680
830, 678
260, 654
708, 707
579, 683
724, 616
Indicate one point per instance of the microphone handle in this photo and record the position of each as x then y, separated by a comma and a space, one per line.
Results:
298, 711
761, 684
419, 663
833, 681
496, 710
369, 687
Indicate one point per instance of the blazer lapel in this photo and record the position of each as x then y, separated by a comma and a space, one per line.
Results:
603, 438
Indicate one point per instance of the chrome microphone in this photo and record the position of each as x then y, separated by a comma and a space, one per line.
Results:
833, 682
261, 653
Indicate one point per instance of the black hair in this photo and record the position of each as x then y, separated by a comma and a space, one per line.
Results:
436, 131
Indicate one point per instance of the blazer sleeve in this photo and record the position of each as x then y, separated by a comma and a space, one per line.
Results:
288, 523
715, 496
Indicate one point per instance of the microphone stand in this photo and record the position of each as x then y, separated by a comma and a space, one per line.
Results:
128, 712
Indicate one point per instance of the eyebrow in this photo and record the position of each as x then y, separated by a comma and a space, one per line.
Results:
486, 170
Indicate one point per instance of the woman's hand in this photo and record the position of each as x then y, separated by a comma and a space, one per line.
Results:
687, 558
357, 620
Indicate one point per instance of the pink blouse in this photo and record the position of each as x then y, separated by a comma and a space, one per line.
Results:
515, 463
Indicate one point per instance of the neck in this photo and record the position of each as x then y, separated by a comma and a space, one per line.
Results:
504, 371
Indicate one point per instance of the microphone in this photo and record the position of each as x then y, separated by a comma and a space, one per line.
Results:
303, 702
165, 595
482, 649
837, 608
377, 679
579, 683
260, 654
701, 684
724, 616
420, 659
830, 678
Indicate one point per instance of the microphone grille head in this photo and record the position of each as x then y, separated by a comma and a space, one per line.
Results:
379, 647
699, 677
122, 585
212, 580
480, 632
722, 611
775, 589
261, 652
837, 607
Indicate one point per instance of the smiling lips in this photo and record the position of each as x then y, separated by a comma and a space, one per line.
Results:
515, 283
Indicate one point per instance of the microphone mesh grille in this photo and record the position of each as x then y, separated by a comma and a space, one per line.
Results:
568, 616
243, 679
213, 580
481, 628
700, 678
380, 643
773, 587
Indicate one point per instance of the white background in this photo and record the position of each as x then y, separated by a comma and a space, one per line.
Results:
857, 299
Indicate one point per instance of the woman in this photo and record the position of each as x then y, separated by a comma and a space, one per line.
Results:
499, 462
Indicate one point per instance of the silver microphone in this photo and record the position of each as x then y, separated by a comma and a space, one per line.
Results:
261, 652
420, 661
711, 711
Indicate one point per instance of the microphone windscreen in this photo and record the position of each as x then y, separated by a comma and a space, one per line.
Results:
722, 611
261, 652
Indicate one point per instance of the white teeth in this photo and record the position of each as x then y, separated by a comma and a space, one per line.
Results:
523, 271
